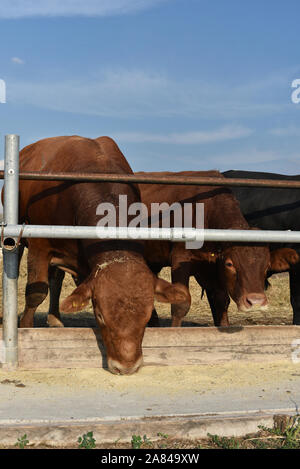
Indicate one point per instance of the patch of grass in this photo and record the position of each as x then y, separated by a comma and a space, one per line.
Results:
162, 435
284, 435
22, 442
137, 441
87, 441
286, 431
260, 444
223, 442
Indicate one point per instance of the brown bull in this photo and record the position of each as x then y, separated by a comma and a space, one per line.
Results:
224, 270
113, 274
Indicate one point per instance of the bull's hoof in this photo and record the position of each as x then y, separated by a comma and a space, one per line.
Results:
224, 324
53, 321
25, 323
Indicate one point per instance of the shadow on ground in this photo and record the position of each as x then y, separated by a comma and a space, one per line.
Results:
88, 320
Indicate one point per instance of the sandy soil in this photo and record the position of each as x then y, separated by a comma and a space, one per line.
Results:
279, 312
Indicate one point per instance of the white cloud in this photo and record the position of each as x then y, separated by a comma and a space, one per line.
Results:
186, 138
17, 60
30, 8
136, 93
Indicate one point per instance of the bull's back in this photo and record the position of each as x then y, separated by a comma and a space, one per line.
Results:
171, 193
54, 202
221, 208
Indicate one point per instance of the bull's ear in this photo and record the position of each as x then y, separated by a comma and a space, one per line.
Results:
78, 300
174, 293
282, 259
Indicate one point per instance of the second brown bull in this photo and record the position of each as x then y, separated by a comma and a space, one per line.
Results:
224, 270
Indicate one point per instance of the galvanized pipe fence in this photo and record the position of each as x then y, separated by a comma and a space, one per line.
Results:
12, 231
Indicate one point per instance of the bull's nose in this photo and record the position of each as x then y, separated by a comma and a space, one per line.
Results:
118, 368
256, 299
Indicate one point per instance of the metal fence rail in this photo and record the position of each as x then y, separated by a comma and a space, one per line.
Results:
144, 179
160, 234
11, 230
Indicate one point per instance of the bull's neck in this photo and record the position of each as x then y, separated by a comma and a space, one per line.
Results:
227, 216
102, 251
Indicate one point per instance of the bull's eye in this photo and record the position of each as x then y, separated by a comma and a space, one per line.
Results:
229, 264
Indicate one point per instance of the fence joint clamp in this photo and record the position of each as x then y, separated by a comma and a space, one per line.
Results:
18, 242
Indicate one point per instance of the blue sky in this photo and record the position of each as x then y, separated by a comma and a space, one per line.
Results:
179, 84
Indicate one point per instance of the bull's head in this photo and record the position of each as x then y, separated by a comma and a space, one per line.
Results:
244, 269
123, 292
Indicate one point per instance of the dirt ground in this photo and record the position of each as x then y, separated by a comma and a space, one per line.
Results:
279, 312
266, 438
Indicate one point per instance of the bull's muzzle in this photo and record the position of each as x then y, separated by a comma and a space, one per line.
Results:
118, 368
253, 302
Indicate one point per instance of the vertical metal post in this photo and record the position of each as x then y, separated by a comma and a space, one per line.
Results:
10, 254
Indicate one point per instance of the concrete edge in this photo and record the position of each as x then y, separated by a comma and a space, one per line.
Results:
63, 433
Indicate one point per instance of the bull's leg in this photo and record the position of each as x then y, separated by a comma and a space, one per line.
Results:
37, 284
180, 275
218, 301
154, 320
56, 277
295, 295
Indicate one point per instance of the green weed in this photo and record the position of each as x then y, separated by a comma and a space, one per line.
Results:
22, 442
87, 441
